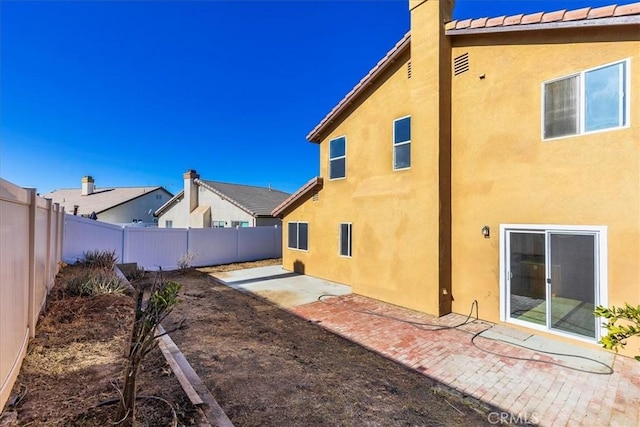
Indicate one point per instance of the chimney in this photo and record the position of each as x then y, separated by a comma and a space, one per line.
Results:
191, 189
87, 185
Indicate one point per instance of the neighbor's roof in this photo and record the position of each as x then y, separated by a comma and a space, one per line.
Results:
309, 188
257, 201
585, 17
100, 200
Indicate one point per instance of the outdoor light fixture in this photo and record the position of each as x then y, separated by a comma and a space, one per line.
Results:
486, 231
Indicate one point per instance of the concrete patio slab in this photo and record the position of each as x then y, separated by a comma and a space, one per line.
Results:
280, 286
507, 368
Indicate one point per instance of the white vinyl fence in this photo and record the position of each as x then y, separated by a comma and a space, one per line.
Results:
31, 230
154, 248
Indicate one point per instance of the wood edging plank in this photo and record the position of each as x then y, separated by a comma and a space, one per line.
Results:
193, 386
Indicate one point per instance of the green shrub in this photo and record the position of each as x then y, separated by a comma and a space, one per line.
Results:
617, 334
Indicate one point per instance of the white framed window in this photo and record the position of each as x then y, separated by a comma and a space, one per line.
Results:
239, 224
552, 278
592, 100
218, 224
298, 235
168, 224
402, 143
338, 158
345, 239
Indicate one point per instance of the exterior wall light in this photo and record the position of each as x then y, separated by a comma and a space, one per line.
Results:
486, 231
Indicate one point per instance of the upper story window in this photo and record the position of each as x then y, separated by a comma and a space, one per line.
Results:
338, 158
298, 235
589, 101
168, 224
402, 143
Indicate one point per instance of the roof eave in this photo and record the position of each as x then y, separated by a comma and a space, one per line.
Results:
313, 185
168, 204
614, 21
398, 50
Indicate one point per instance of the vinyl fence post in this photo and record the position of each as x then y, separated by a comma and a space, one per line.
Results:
47, 263
125, 243
32, 262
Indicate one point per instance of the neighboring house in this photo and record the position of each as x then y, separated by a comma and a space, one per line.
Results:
116, 205
494, 161
204, 204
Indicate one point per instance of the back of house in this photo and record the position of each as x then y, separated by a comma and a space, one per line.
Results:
494, 160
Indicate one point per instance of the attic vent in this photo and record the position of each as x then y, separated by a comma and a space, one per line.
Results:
461, 64
315, 197
409, 69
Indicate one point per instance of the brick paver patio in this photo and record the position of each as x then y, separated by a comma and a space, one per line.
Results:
539, 393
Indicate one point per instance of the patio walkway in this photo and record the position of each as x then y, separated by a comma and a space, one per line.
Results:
477, 359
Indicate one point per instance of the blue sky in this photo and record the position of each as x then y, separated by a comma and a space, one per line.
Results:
135, 93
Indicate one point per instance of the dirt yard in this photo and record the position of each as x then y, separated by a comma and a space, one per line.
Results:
76, 360
265, 366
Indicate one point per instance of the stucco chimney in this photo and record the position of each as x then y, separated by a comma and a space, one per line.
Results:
191, 189
87, 185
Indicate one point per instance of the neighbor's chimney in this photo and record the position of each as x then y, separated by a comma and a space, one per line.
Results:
191, 189
87, 185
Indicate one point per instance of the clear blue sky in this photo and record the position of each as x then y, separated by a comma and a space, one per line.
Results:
135, 93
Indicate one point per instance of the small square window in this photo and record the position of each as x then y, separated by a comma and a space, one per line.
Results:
168, 224
338, 158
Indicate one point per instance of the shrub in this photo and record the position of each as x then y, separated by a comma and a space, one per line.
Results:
149, 313
136, 274
185, 260
100, 259
94, 282
617, 334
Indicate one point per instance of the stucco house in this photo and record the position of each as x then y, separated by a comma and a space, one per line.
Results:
116, 205
494, 160
204, 204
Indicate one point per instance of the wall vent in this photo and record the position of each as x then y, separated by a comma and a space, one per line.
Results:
316, 197
461, 64
409, 69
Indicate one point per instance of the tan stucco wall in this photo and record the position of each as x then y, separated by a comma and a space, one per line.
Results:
477, 159
504, 173
391, 247
399, 254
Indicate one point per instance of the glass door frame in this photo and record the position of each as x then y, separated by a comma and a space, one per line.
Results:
601, 291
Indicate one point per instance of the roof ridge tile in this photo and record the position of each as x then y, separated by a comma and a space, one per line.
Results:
577, 14
558, 15
627, 9
513, 19
602, 12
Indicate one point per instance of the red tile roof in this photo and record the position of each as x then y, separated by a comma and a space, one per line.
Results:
586, 13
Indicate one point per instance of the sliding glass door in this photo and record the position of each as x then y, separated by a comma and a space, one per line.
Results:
552, 279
